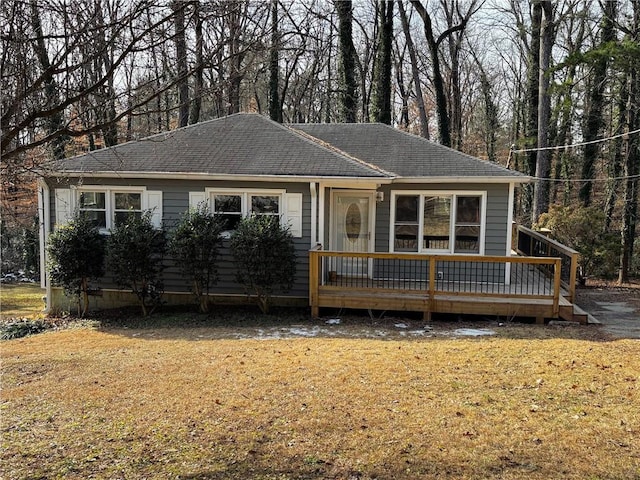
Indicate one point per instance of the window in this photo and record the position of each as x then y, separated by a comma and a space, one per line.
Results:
406, 224
265, 204
232, 206
449, 222
93, 206
467, 233
125, 204
437, 220
107, 207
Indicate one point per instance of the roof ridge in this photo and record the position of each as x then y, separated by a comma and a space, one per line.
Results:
334, 149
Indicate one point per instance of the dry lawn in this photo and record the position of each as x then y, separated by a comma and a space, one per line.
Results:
165, 402
21, 300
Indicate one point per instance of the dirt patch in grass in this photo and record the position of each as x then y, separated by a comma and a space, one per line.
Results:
162, 401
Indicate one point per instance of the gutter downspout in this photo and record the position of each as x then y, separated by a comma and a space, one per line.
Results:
321, 215
44, 220
510, 204
314, 213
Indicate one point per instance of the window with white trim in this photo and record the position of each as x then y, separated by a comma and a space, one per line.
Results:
93, 205
233, 206
437, 222
107, 207
125, 204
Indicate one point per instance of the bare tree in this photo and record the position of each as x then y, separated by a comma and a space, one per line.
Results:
415, 73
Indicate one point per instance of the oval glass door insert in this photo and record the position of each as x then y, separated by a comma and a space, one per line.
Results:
353, 222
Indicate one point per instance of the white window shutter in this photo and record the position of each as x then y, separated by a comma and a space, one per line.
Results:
64, 207
197, 198
154, 203
293, 213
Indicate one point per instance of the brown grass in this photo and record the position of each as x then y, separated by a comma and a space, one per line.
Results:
178, 403
21, 300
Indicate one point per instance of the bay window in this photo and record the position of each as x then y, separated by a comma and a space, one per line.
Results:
438, 222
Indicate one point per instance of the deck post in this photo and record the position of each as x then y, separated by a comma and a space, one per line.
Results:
573, 276
432, 284
314, 261
557, 266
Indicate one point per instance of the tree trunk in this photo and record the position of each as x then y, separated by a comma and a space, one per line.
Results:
348, 83
54, 122
543, 160
438, 82
632, 164
382, 81
181, 61
595, 105
275, 109
415, 72
198, 80
533, 97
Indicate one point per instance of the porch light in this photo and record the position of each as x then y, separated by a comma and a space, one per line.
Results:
379, 197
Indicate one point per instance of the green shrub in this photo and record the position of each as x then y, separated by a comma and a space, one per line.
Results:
194, 246
21, 328
135, 251
76, 254
582, 228
265, 257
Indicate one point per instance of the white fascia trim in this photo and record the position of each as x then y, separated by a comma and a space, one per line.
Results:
431, 180
241, 178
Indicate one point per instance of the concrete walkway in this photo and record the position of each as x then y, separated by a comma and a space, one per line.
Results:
618, 310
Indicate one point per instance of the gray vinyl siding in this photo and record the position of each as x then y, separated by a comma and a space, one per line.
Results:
175, 201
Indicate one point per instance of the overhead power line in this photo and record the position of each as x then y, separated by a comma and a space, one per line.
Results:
573, 145
586, 180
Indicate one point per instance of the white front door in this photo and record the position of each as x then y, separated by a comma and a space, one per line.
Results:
352, 229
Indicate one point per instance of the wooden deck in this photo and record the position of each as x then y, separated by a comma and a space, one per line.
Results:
508, 286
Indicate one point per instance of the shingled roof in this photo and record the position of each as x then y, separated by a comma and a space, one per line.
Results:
240, 144
404, 154
251, 145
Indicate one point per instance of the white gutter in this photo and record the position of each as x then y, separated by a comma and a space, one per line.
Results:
431, 180
44, 221
314, 213
224, 177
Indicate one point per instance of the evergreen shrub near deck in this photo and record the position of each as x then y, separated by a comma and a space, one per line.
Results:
265, 256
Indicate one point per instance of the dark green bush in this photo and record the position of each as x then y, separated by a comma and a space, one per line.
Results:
194, 246
582, 228
265, 256
135, 252
76, 254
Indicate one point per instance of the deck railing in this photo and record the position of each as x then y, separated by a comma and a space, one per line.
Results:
427, 276
535, 244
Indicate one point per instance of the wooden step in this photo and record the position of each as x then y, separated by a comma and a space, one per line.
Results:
573, 313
